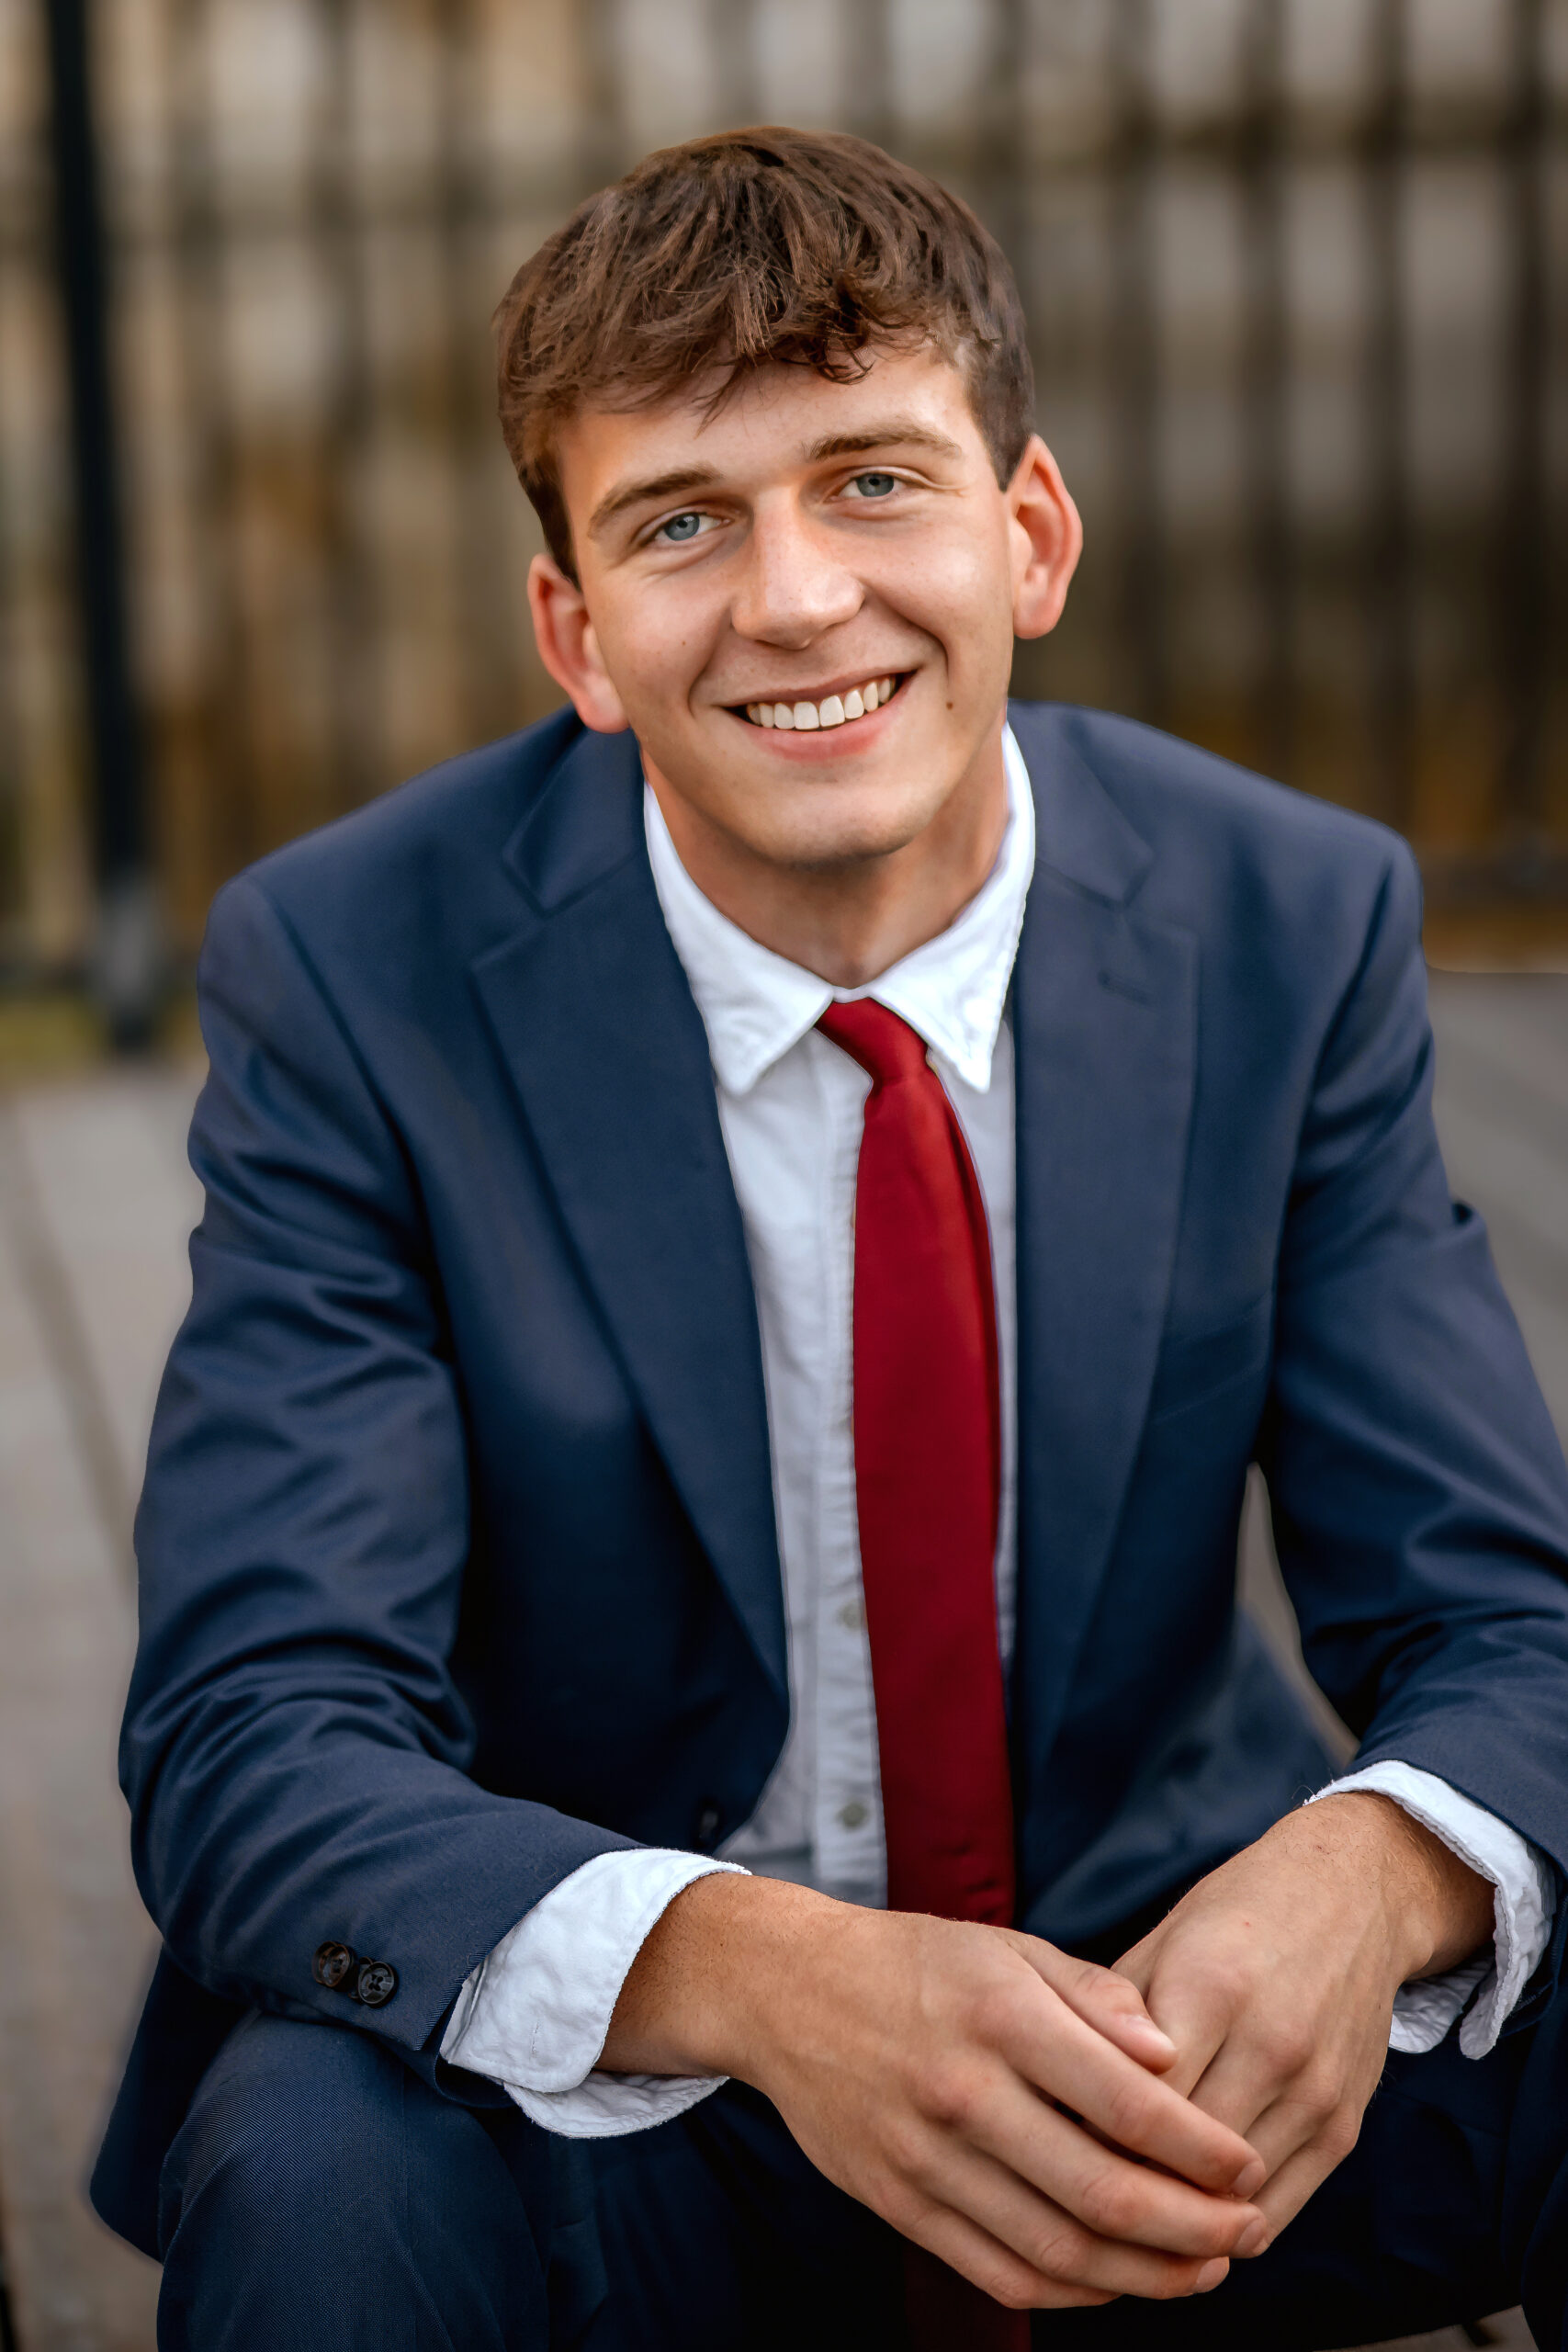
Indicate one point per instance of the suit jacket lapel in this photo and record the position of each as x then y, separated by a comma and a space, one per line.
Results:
607, 1051
1104, 1026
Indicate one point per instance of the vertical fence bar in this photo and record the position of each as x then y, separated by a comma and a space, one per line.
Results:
224, 747
126, 962
1266, 385
1524, 584
353, 703
12, 875
1137, 391
488, 623
603, 144
1389, 585
1002, 124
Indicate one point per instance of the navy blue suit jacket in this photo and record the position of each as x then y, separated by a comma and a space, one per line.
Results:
457, 1550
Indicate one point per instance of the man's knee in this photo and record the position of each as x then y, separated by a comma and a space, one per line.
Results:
317, 2185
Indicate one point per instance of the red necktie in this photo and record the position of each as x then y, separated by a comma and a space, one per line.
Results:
928, 1476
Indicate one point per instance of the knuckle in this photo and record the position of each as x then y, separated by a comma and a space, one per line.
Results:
1128, 2112
1318, 2096
1106, 2205
1286, 2048
906, 2149
1060, 2249
995, 2012
1339, 2134
951, 2097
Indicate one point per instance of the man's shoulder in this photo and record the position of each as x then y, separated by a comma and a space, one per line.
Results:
434, 848
1221, 850
1174, 793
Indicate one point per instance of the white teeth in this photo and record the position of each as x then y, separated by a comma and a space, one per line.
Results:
831, 711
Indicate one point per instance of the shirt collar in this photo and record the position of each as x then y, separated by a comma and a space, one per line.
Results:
755, 1005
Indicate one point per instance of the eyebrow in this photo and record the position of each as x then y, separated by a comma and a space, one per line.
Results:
901, 431
640, 493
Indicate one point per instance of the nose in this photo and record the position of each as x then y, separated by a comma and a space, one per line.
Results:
795, 584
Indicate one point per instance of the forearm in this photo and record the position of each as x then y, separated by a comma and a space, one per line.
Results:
723, 1955
1439, 1909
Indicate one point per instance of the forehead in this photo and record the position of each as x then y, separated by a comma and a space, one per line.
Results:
775, 423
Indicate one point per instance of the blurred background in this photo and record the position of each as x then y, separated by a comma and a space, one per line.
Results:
1295, 273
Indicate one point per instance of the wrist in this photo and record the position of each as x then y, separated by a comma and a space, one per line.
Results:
1439, 1912
709, 1976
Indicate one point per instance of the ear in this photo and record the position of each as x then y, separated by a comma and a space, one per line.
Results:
1047, 537
569, 648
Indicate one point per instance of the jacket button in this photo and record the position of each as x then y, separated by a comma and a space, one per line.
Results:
375, 1983
331, 1965
707, 1827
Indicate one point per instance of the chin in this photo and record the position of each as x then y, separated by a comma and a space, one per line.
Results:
844, 836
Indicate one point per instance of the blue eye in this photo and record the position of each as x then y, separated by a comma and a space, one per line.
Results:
876, 485
679, 529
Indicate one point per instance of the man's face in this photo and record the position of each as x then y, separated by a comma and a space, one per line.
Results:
836, 558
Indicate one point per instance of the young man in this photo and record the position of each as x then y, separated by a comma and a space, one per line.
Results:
753, 1234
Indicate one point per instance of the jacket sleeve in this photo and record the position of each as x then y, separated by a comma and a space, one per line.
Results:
294, 1746
1419, 1494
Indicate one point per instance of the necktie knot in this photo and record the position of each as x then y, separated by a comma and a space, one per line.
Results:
884, 1046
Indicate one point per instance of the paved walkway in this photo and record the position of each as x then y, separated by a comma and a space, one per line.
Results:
96, 1201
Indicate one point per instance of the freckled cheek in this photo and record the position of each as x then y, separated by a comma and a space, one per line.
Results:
656, 657
954, 590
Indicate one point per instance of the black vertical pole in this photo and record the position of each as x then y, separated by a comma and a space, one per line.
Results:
1525, 570
127, 959
1390, 582
1139, 390
1264, 365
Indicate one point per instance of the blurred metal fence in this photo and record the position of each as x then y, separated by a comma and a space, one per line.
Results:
1295, 274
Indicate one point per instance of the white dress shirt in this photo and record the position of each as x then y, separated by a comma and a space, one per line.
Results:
535, 2014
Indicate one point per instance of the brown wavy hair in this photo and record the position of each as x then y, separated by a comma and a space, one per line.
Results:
740, 251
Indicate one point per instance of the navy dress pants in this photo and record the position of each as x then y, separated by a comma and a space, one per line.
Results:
321, 2194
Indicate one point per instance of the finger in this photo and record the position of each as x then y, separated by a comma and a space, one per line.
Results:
1100, 2188
1127, 2104
1054, 2247
1198, 2017
1298, 2178
1113, 2005
995, 2268
1285, 2100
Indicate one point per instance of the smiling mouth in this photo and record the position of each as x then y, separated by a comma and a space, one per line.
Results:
833, 710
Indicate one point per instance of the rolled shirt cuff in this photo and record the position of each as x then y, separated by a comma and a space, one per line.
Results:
535, 2014
1485, 1990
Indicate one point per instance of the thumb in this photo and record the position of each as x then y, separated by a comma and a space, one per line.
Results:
1102, 1999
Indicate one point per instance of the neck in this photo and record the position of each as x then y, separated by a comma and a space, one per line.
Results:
851, 918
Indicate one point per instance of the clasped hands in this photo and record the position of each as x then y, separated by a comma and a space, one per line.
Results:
1062, 2133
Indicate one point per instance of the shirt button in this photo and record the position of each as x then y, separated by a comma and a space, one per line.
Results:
852, 1616
852, 1816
